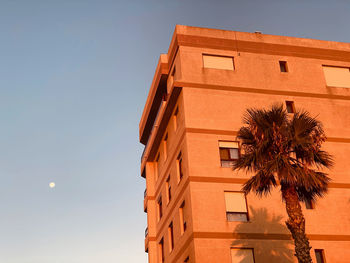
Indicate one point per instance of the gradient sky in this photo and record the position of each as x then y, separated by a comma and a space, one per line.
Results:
74, 76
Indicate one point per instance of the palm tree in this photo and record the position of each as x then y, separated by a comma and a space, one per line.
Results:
285, 150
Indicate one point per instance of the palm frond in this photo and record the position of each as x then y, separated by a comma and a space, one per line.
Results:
313, 186
247, 162
261, 183
323, 159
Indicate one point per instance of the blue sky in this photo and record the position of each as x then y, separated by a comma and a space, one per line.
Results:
74, 76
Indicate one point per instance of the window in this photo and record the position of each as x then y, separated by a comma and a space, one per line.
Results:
290, 106
283, 66
245, 255
218, 62
187, 260
320, 258
165, 146
175, 118
337, 76
168, 189
156, 169
171, 236
309, 204
160, 208
179, 167
182, 218
236, 206
161, 250
229, 152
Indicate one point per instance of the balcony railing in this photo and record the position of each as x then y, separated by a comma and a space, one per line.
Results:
146, 232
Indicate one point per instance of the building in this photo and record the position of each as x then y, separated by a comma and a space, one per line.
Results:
195, 209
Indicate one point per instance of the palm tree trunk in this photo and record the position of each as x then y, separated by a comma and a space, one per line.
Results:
296, 224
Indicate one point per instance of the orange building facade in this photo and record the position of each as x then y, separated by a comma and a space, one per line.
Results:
195, 209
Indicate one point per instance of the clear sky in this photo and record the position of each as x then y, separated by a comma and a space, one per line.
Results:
74, 76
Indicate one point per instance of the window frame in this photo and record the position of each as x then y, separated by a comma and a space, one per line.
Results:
230, 159
171, 237
233, 212
283, 66
290, 104
168, 189
179, 167
221, 56
323, 256
160, 208
161, 250
309, 204
327, 80
183, 224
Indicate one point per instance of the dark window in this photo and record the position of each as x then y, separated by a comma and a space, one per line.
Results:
160, 208
187, 260
168, 189
290, 106
182, 218
161, 250
309, 204
320, 258
171, 236
283, 66
229, 152
169, 193
179, 167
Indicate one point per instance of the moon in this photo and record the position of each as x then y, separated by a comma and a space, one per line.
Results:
52, 185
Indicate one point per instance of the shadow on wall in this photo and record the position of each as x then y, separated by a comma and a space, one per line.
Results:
271, 250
